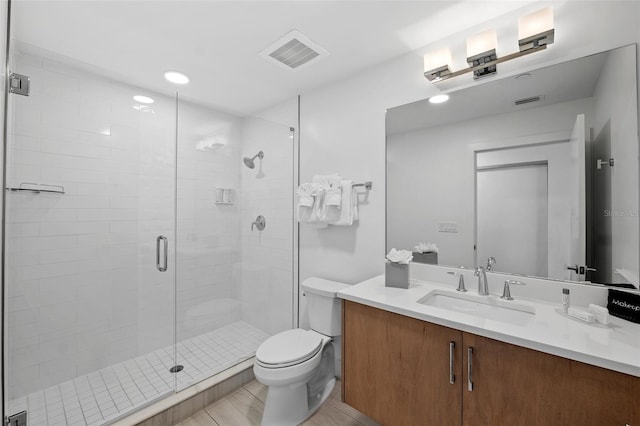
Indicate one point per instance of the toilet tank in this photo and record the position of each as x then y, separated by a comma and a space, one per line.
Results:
323, 305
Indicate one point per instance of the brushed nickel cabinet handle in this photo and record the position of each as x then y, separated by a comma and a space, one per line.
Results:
452, 376
470, 369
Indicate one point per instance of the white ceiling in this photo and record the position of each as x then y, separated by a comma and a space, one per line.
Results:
217, 43
563, 82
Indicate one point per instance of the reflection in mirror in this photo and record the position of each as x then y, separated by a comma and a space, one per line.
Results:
538, 170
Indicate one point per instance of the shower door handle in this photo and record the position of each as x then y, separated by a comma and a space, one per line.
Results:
165, 241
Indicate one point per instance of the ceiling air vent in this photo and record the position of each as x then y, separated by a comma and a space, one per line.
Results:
530, 100
294, 51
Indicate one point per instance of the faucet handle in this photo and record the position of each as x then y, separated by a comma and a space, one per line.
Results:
490, 262
506, 292
479, 269
461, 286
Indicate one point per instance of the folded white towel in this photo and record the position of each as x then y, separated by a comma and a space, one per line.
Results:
331, 205
349, 207
306, 200
317, 202
310, 201
327, 202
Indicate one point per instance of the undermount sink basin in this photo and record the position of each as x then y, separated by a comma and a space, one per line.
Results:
488, 307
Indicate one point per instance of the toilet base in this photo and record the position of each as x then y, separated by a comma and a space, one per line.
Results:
288, 405
291, 404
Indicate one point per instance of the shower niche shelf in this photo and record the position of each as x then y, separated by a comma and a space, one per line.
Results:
224, 195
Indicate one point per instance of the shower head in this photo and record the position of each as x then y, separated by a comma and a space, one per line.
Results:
249, 161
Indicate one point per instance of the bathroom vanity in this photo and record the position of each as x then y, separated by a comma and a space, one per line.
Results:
408, 360
530, 182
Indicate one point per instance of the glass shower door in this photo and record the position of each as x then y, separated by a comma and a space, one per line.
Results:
235, 280
89, 244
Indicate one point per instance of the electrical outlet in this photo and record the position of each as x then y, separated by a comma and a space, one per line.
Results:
448, 227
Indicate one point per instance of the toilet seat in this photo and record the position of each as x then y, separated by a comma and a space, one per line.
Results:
289, 348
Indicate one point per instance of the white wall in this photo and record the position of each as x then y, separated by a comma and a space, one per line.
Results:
614, 102
343, 124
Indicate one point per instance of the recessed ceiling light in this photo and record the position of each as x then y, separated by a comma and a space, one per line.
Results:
438, 99
176, 77
143, 99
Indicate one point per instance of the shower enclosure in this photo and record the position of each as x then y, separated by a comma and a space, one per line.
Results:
131, 267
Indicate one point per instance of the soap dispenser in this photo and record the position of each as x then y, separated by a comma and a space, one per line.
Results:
566, 303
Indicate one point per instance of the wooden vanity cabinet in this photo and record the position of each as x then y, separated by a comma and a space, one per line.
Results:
396, 370
513, 385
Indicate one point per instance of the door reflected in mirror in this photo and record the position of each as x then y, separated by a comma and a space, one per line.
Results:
538, 170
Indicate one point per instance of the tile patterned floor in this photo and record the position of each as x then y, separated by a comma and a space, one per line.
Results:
106, 395
244, 407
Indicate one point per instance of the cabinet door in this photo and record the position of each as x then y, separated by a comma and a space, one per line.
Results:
517, 386
635, 402
396, 369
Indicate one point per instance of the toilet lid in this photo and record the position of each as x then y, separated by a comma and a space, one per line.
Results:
289, 347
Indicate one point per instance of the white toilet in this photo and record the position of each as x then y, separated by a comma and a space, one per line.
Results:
299, 366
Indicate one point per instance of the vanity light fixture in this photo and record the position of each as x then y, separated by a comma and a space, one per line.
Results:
535, 32
438, 99
481, 50
439, 64
176, 77
536, 29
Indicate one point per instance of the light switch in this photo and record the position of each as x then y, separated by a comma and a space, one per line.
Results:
448, 227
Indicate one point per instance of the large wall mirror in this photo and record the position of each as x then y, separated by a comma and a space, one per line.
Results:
538, 170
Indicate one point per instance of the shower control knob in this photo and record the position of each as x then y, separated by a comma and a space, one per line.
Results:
260, 223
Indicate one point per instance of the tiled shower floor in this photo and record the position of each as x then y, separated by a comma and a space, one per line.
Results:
106, 395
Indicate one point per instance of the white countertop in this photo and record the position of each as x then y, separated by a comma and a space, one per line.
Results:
615, 346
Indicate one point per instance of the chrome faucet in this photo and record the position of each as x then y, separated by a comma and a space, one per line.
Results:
260, 223
483, 285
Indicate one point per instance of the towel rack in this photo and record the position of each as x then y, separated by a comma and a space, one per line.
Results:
367, 185
59, 188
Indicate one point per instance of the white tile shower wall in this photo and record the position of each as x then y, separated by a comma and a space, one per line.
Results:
82, 286
267, 256
208, 232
